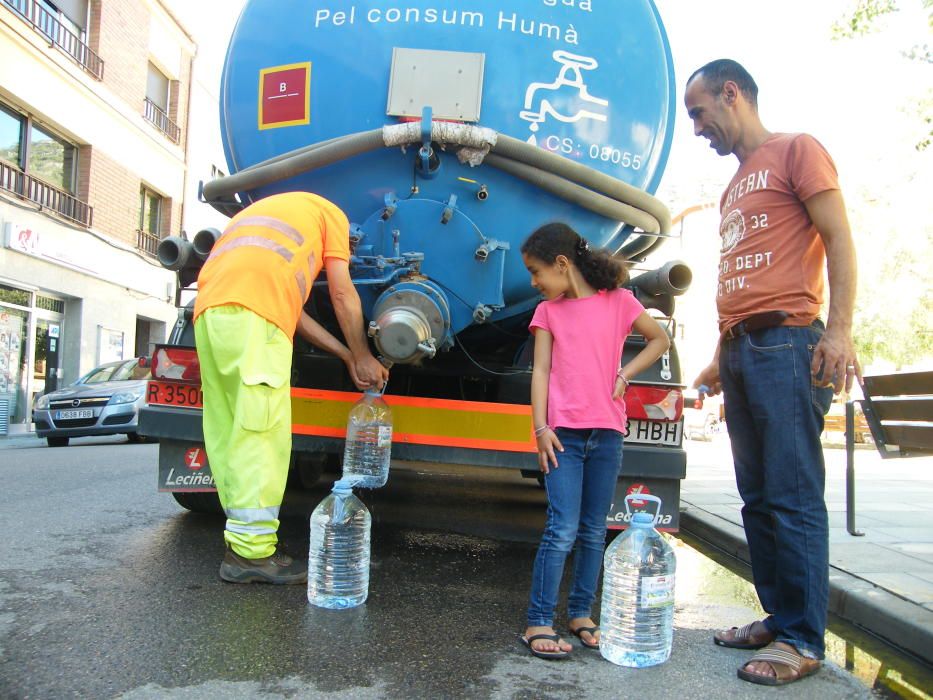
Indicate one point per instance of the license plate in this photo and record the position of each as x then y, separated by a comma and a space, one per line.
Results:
74, 414
653, 432
174, 394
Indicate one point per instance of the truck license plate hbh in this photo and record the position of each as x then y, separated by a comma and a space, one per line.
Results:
174, 394
651, 432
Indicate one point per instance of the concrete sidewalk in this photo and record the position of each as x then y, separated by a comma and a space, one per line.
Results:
883, 581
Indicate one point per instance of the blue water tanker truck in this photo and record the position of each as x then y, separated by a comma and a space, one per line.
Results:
448, 131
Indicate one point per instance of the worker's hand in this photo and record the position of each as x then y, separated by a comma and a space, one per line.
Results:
834, 361
547, 443
369, 373
709, 378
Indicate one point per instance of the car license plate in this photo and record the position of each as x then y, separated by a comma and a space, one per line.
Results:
654, 432
74, 414
174, 394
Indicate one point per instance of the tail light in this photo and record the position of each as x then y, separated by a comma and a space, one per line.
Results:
175, 363
654, 402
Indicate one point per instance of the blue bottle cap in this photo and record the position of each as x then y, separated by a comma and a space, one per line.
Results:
343, 486
643, 519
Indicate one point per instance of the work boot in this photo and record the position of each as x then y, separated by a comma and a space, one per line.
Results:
279, 569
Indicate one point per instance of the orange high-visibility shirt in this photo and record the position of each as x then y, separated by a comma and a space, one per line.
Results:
270, 254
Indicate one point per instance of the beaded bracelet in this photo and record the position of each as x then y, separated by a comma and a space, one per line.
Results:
542, 430
622, 377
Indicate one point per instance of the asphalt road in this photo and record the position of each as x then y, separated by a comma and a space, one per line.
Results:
108, 589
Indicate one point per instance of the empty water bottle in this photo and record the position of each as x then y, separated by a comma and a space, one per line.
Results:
338, 558
369, 442
637, 617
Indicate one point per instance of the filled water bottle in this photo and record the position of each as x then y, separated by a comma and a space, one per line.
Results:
637, 617
338, 558
369, 442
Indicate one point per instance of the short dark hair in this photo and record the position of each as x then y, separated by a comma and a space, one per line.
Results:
716, 73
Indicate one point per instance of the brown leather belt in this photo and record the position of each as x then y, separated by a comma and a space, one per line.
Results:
768, 319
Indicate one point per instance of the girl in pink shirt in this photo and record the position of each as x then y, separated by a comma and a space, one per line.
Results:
578, 407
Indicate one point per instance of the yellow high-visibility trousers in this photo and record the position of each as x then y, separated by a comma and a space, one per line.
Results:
245, 371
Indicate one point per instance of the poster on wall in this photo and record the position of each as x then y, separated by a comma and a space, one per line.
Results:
11, 356
109, 345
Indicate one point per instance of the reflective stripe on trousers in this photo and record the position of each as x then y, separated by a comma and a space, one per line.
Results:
245, 368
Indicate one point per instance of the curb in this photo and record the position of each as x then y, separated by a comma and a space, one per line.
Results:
900, 622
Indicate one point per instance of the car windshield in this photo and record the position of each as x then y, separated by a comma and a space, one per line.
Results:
118, 371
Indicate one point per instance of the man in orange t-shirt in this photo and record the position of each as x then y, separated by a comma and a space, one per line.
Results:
251, 294
783, 220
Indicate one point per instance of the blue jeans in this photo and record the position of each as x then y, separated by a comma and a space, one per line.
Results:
775, 413
579, 493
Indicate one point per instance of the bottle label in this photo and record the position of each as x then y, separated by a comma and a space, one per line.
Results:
385, 436
657, 591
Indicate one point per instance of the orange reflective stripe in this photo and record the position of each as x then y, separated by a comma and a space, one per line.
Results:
269, 222
422, 421
256, 241
516, 409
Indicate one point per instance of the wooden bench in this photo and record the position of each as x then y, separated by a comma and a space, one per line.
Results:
837, 424
899, 411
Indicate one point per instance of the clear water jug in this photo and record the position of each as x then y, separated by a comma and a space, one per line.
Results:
369, 442
338, 556
637, 616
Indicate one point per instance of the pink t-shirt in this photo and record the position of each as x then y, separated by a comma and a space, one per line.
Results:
588, 337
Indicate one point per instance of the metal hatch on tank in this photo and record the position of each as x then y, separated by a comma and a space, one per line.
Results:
448, 131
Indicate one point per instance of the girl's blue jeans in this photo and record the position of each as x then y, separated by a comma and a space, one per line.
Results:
774, 413
579, 492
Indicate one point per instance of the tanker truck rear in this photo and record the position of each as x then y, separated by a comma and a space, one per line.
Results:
447, 131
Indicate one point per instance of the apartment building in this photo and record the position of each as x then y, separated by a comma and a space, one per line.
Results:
94, 103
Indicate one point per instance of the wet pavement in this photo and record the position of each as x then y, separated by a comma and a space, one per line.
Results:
109, 590
882, 581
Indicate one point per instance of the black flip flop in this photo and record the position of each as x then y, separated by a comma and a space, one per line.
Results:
592, 632
552, 655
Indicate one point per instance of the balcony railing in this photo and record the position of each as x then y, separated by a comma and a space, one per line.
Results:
58, 34
155, 114
147, 242
47, 196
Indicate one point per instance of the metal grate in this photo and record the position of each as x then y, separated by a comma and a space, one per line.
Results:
157, 116
57, 34
4, 416
49, 197
50, 304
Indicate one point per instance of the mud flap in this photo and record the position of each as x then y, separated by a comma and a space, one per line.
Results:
183, 466
668, 511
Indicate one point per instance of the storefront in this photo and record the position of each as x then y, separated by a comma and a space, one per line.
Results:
70, 300
31, 327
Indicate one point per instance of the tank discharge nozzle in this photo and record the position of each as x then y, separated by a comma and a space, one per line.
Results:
411, 321
204, 241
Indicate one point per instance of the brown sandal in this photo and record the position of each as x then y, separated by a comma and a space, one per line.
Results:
743, 639
789, 666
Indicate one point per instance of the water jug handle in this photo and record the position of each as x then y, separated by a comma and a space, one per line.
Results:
643, 497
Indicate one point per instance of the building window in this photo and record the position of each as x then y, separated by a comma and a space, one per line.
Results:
150, 220
52, 159
11, 137
40, 166
156, 104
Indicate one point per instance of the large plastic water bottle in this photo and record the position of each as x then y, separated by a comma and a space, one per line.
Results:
637, 616
369, 442
338, 558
